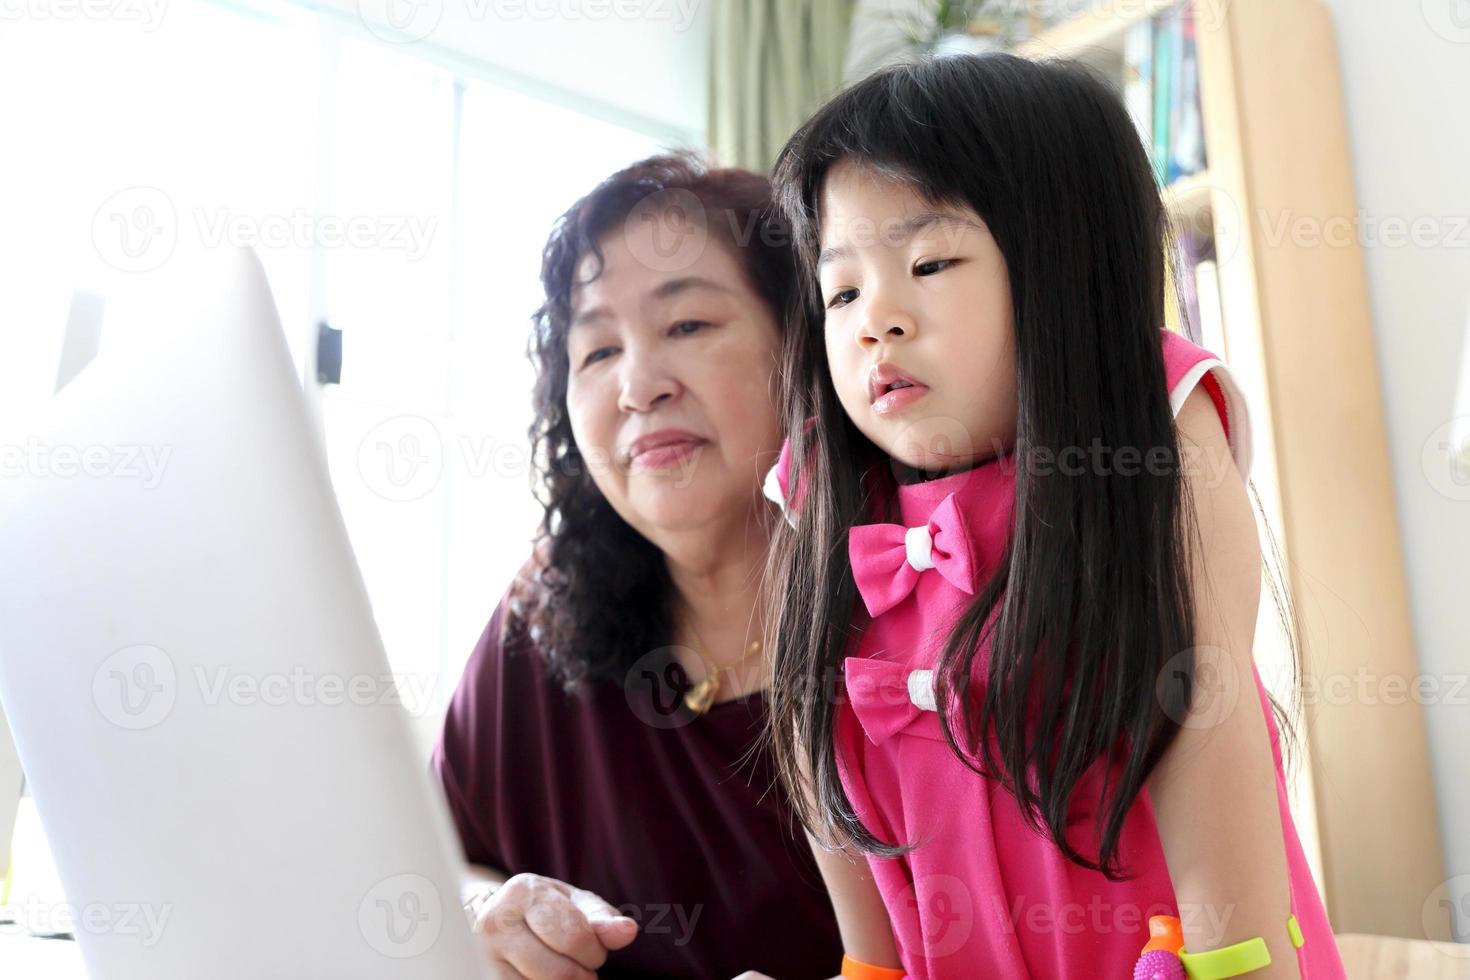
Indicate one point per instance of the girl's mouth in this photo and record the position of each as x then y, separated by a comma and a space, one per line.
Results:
891, 389
899, 397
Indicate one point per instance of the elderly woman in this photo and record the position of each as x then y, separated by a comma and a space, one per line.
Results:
602, 755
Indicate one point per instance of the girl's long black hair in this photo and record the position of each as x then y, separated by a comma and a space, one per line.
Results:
1093, 590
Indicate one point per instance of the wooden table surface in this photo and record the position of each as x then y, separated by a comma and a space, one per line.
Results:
1392, 958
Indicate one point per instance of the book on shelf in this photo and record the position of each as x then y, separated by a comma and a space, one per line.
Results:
1138, 78
1187, 154
1211, 312
1184, 301
1163, 96
1161, 92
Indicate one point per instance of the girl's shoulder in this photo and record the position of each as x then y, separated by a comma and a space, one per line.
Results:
1187, 366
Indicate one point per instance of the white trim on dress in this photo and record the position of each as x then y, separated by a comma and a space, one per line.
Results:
1238, 427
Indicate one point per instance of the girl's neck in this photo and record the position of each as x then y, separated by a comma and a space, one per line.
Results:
905, 474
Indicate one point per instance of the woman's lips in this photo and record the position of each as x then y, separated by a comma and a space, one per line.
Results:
899, 399
666, 455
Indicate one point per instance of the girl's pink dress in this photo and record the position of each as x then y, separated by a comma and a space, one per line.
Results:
984, 895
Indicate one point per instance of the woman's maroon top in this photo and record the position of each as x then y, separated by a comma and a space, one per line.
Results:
677, 820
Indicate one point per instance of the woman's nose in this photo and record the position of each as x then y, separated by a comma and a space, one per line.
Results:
646, 381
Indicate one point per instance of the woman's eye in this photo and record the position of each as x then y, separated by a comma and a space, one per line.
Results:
681, 326
839, 300
593, 357
931, 267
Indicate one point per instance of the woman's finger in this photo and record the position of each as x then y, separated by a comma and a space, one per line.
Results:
531, 924
614, 929
563, 927
534, 960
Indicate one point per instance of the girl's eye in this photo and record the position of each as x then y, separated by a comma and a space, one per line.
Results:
593, 357
698, 325
838, 300
931, 267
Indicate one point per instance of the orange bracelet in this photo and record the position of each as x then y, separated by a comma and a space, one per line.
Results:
858, 970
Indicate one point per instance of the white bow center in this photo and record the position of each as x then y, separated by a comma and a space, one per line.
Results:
919, 544
921, 690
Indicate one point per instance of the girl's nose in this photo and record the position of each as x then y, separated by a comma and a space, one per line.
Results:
885, 323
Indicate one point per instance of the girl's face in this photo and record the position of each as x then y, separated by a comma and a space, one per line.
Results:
916, 293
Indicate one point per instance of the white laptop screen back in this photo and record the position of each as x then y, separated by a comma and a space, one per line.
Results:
198, 693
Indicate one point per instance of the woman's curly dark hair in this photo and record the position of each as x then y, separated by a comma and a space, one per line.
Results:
596, 595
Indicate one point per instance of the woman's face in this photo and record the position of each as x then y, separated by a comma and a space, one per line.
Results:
687, 357
919, 291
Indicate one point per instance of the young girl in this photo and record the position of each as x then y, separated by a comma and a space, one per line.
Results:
1014, 619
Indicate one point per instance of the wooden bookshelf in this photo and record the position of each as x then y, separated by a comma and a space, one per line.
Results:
1188, 199
1391, 958
1099, 29
1299, 335
1096, 38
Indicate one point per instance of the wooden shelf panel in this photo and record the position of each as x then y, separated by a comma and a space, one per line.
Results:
1300, 334
1099, 29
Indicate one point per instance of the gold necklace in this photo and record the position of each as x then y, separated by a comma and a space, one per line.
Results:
701, 696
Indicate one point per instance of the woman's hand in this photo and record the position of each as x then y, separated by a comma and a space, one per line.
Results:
543, 929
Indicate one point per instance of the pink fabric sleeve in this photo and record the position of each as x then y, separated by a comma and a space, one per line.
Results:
1186, 365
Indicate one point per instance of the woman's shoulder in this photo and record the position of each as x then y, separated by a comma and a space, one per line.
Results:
1188, 366
506, 652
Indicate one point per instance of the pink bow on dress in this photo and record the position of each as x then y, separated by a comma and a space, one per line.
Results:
887, 559
886, 696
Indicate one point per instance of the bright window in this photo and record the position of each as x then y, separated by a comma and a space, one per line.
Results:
399, 200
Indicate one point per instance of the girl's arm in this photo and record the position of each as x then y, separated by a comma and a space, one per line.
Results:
862, 918
1214, 792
